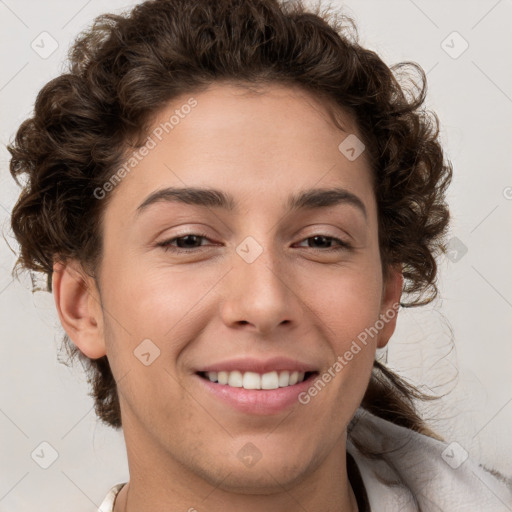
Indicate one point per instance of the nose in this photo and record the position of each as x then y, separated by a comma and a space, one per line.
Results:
260, 294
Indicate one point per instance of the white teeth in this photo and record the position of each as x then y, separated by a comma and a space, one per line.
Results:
269, 380
235, 379
284, 378
223, 377
252, 380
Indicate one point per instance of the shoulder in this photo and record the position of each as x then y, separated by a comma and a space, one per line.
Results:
411, 470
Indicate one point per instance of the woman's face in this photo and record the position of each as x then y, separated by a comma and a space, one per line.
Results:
259, 287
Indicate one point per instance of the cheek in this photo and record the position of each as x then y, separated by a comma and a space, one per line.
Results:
151, 301
346, 306
152, 311
346, 300
146, 332
346, 309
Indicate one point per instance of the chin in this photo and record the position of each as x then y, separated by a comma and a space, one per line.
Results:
267, 478
247, 470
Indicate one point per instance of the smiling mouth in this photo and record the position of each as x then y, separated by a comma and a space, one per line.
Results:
253, 380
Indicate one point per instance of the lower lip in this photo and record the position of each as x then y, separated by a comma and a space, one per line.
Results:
257, 401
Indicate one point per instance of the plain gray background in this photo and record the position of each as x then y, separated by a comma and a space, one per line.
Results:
470, 89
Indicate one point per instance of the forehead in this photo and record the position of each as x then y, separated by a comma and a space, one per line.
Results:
279, 115
255, 144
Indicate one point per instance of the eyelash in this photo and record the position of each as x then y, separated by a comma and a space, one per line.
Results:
166, 244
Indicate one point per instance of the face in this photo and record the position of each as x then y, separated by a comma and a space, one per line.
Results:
196, 285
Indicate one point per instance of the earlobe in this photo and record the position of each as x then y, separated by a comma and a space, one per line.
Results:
79, 309
391, 294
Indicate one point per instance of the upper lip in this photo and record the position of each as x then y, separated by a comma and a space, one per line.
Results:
247, 364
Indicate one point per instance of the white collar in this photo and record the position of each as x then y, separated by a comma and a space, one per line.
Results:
107, 505
424, 473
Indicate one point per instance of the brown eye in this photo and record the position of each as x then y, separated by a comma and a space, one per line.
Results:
188, 242
325, 243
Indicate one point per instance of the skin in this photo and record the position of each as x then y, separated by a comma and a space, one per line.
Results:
296, 299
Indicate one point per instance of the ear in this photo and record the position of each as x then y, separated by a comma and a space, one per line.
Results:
78, 304
391, 294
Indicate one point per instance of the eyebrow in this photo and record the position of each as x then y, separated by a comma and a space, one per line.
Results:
212, 198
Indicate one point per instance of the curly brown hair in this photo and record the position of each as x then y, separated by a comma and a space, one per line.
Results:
125, 68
